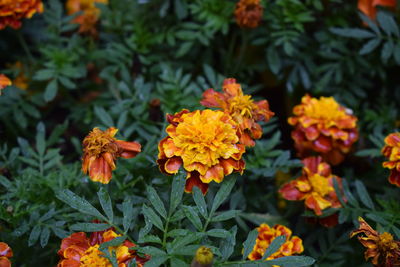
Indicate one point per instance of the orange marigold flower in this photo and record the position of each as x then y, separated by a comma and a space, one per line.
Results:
5, 254
12, 11
205, 143
101, 149
244, 111
266, 234
79, 250
314, 186
368, 7
90, 16
4, 82
384, 251
323, 126
248, 13
392, 151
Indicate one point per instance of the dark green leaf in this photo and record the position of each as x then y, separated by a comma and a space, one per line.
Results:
105, 202
363, 194
152, 217
178, 184
89, 227
248, 245
223, 192
127, 210
51, 90
200, 201
156, 201
293, 261
274, 246
191, 214
34, 236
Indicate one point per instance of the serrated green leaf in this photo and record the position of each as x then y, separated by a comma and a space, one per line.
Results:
51, 90
40, 139
44, 237
369, 46
34, 235
248, 245
89, 227
226, 215
152, 217
293, 261
113, 243
223, 192
127, 210
105, 202
200, 201
178, 184
353, 32
221, 233
274, 246
191, 214
363, 194
156, 201
103, 116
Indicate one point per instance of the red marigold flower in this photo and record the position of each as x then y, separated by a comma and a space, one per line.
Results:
79, 250
205, 143
12, 11
323, 126
368, 7
392, 151
384, 251
266, 234
314, 186
244, 111
101, 149
248, 13
4, 82
90, 16
5, 254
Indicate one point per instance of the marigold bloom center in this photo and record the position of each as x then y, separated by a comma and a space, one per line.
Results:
320, 184
93, 257
386, 241
204, 138
242, 105
204, 255
324, 108
98, 142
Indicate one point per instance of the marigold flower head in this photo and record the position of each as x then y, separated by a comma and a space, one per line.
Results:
248, 13
244, 111
323, 126
4, 82
369, 7
392, 151
267, 234
90, 16
384, 251
205, 143
203, 257
5, 254
80, 250
314, 186
101, 149
13, 11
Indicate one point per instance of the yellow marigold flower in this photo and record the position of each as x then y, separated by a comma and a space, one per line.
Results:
244, 111
13, 11
384, 251
79, 250
5, 254
203, 257
248, 13
205, 143
4, 82
90, 16
314, 186
392, 151
323, 126
267, 234
101, 149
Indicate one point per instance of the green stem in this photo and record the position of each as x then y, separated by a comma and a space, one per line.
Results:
120, 231
164, 241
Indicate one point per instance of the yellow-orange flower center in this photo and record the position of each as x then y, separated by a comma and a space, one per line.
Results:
241, 104
204, 255
386, 242
94, 257
320, 184
324, 108
98, 141
205, 137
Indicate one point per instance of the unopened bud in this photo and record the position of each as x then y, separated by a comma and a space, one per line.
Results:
203, 257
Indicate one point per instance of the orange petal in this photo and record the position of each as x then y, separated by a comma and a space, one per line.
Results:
215, 173
297, 245
323, 144
172, 165
394, 177
211, 98
4, 81
100, 171
290, 192
5, 250
4, 262
108, 157
194, 180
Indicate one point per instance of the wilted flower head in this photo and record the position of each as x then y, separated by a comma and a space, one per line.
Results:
4, 82
384, 251
244, 110
392, 151
90, 16
314, 186
205, 143
203, 257
369, 7
79, 250
101, 149
323, 126
5, 254
248, 13
266, 234
13, 11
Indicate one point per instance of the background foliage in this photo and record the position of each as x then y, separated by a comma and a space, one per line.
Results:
154, 57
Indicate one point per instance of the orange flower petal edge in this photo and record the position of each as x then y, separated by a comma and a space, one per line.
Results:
242, 108
369, 7
248, 13
12, 12
5, 254
391, 151
266, 234
324, 127
80, 250
314, 186
4, 82
204, 143
383, 250
101, 149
